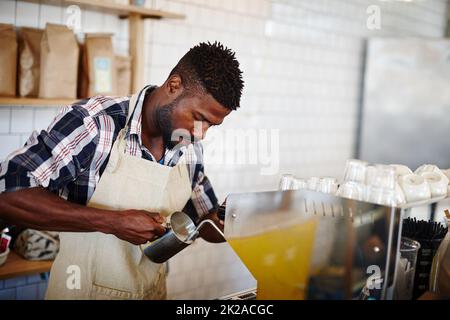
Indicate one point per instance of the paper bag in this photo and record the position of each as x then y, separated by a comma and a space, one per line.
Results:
98, 76
8, 60
59, 63
29, 61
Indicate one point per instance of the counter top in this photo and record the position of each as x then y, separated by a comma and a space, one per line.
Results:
16, 266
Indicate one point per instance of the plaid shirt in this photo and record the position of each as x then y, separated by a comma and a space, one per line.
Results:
71, 155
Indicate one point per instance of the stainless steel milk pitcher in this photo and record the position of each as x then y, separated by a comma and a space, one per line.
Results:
181, 233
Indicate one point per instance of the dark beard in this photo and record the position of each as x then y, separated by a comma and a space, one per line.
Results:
164, 121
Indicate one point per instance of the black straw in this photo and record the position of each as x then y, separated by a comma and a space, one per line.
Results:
425, 230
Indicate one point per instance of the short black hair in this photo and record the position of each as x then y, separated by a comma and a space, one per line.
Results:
216, 69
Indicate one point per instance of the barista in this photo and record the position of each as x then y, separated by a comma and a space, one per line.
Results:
99, 174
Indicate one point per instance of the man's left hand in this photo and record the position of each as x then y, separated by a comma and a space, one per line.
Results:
209, 233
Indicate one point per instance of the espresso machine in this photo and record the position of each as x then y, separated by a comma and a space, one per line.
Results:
302, 244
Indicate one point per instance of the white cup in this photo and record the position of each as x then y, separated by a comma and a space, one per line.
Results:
312, 183
286, 182
415, 187
380, 185
327, 185
381, 196
381, 176
437, 187
399, 195
290, 182
447, 173
401, 170
355, 170
427, 168
300, 183
438, 183
352, 190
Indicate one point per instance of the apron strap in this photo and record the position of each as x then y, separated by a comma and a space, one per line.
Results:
135, 98
120, 144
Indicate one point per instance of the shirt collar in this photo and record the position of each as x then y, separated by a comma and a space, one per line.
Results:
136, 118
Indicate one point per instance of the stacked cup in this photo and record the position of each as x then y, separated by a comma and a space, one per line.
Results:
437, 180
428, 181
286, 182
381, 183
389, 185
447, 174
325, 184
400, 171
353, 186
290, 182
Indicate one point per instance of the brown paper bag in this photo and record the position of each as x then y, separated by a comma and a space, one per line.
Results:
29, 61
8, 60
123, 67
98, 75
59, 63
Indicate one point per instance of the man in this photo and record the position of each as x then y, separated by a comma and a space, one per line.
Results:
108, 170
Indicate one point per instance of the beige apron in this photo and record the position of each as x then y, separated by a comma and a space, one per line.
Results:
110, 268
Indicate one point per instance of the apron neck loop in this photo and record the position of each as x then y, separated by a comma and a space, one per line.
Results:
135, 99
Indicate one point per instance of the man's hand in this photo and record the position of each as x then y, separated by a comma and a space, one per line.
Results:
209, 233
41, 209
138, 226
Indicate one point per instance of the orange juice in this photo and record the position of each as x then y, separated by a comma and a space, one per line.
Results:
279, 259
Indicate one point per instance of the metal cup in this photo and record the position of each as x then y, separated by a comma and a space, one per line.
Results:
181, 234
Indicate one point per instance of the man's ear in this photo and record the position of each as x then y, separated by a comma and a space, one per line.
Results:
174, 85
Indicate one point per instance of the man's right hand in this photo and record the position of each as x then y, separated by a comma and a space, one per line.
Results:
41, 209
138, 226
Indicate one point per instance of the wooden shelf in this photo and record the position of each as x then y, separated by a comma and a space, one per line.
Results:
16, 266
34, 102
115, 8
135, 14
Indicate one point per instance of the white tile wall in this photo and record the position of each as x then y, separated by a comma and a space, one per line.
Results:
43, 117
8, 143
27, 14
5, 120
8, 11
17, 123
21, 120
302, 63
49, 14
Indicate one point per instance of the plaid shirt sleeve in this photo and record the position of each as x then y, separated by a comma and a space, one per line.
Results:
53, 157
203, 199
